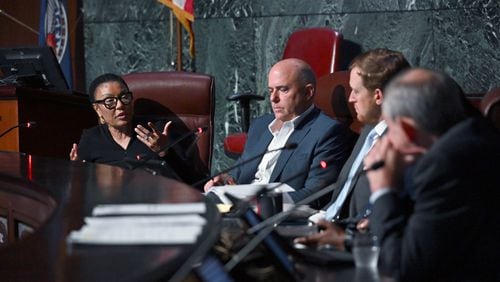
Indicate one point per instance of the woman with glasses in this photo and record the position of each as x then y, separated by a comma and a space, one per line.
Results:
119, 140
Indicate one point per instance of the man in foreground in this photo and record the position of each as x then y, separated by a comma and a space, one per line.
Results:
449, 232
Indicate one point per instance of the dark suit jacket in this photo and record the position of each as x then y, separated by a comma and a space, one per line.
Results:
452, 233
359, 190
318, 137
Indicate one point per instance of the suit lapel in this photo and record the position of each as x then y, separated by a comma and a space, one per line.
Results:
259, 146
344, 173
299, 133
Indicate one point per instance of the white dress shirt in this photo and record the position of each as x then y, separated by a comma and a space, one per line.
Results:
280, 137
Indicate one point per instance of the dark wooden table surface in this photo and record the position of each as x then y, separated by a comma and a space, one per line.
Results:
70, 190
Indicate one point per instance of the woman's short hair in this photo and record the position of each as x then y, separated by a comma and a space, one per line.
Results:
107, 77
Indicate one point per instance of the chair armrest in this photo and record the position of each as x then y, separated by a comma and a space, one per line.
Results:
244, 97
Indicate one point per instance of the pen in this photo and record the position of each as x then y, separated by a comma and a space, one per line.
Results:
376, 165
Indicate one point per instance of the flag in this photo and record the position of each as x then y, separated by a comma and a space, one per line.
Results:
184, 12
54, 33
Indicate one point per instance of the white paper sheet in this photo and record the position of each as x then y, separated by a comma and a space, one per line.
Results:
141, 224
249, 190
162, 220
129, 235
138, 209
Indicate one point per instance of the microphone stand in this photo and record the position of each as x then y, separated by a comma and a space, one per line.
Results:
28, 124
289, 146
143, 160
279, 217
265, 227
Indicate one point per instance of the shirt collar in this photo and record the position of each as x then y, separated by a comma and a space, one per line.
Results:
293, 122
380, 128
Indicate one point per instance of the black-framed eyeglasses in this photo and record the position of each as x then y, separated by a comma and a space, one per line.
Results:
110, 102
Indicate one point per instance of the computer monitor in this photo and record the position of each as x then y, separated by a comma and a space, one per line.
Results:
35, 67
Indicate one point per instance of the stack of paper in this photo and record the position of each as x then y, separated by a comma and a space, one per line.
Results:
141, 224
249, 190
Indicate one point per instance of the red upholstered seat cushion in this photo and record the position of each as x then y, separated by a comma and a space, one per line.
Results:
234, 144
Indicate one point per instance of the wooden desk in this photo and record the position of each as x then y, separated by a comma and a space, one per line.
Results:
66, 192
60, 118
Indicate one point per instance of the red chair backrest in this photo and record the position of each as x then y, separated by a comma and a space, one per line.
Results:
318, 46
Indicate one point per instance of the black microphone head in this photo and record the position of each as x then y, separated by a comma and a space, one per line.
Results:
290, 146
29, 124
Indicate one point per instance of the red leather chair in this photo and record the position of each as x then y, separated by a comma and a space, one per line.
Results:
183, 97
490, 106
332, 97
318, 46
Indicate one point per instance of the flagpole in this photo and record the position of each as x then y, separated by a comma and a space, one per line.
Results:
179, 46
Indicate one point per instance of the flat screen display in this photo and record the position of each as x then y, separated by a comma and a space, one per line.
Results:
35, 67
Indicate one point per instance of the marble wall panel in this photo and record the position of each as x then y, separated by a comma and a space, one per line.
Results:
468, 47
123, 10
226, 50
265, 8
224, 9
124, 47
409, 33
453, 4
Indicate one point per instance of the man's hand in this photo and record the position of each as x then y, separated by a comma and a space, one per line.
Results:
222, 179
395, 162
330, 234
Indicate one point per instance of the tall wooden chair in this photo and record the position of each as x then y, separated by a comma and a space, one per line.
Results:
185, 98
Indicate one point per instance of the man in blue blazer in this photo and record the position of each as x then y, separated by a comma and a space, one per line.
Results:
292, 85
369, 73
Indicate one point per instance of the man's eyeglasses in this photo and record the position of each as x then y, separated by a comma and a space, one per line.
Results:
110, 102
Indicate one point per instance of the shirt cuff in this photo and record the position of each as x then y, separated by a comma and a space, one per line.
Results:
374, 196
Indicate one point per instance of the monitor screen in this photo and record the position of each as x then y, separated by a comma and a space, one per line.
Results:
35, 67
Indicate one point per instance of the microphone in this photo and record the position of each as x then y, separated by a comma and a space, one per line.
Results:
29, 124
279, 217
289, 146
197, 132
148, 163
267, 226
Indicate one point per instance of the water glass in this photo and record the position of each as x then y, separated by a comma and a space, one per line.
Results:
365, 250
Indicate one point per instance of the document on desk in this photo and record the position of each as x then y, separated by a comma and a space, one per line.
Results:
248, 190
137, 209
133, 226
